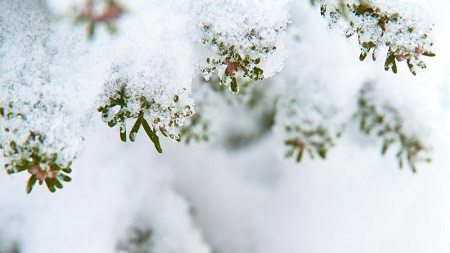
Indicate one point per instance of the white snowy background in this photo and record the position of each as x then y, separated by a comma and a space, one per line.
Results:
202, 197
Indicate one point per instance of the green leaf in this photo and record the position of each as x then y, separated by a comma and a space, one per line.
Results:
65, 178
374, 55
152, 135
258, 72
323, 9
233, 86
56, 183
394, 67
50, 185
67, 170
322, 153
300, 155
112, 123
389, 61
411, 67
400, 159
428, 53
385, 147
362, 56
123, 136
135, 129
31, 183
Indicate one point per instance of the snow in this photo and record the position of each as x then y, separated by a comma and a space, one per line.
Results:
236, 193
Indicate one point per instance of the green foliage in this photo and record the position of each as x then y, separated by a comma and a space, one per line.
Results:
313, 141
234, 59
122, 99
386, 123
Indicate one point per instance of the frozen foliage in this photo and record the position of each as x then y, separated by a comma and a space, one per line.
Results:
149, 93
151, 67
41, 128
236, 193
150, 79
378, 25
308, 128
382, 119
240, 38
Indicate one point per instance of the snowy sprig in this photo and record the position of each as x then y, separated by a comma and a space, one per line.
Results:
386, 122
40, 130
241, 39
39, 137
30, 153
197, 128
308, 138
156, 104
379, 27
306, 129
